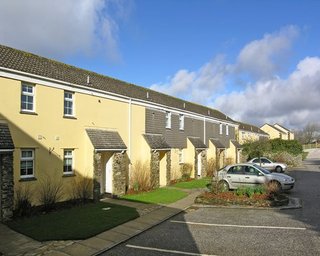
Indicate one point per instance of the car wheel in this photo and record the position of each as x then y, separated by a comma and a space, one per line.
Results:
274, 187
278, 169
223, 186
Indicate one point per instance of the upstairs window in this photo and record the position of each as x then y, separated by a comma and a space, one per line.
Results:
27, 97
68, 161
227, 130
27, 163
181, 122
168, 120
220, 128
68, 104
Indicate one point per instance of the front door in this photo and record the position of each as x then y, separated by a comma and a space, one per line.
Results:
109, 175
199, 164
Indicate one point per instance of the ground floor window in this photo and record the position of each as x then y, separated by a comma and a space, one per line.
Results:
68, 161
27, 163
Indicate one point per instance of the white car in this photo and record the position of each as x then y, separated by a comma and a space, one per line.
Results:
248, 174
268, 164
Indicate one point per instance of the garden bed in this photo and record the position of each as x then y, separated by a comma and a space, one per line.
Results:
231, 198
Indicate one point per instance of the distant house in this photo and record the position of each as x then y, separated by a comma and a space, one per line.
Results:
277, 131
249, 133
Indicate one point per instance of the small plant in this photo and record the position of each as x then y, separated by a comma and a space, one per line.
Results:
140, 177
211, 168
250, 191
241, 191
82, 189
23, 206
50, 192
273, 187
186, 170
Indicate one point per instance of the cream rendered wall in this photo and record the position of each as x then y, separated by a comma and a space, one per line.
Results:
50, 133
273, 133
190, 156
247, 136
175, 165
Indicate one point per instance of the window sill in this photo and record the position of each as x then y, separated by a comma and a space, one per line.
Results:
27, 179
70, 117
68, 175
28, 113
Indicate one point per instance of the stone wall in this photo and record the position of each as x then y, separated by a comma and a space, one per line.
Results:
97, 175
168, 171
203, 163
155, 169
6, 186
120, 170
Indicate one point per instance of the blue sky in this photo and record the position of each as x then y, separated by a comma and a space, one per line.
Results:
257, 61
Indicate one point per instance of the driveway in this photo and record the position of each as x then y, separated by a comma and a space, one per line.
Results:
225, 231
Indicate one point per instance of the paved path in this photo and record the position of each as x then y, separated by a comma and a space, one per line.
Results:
13, 243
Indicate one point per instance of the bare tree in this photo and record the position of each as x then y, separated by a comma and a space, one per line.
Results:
308, 134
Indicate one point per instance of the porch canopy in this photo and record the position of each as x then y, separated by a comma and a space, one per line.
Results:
197, 143
6, 143
219, 144
103, 140
236, 144
156, 141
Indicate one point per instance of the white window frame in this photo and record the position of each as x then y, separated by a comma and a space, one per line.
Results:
168, 120
181, 122
227, 129
220, 128
181, 156
28, 95
68, 157
27, 159
68, 100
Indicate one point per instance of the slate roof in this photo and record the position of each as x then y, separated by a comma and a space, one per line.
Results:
103, 140
197, 143
218, 143
33, 64
156, 141
6, 142
236, 144
277, 129
251, 128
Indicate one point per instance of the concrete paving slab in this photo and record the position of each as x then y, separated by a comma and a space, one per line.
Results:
112, 236
96, 243
137, 225
126, 230
77, 249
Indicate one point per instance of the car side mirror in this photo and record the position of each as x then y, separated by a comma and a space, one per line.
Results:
260, 174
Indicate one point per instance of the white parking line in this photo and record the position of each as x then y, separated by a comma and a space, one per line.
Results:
236, 226
168, 251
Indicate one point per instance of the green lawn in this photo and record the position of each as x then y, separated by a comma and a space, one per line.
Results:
196, 183
158, 196
79, 222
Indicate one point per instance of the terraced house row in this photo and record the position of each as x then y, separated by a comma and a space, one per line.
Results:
59, 123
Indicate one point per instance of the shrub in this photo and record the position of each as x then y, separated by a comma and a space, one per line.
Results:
82, 189
211, 168
186, 170
273, 188
50, 193
23, 206
250, 191
140, 177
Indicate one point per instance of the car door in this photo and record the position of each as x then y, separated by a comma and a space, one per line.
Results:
234, 176
253, 177
266, 164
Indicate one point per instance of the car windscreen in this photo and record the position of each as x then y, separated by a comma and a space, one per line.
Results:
261, 169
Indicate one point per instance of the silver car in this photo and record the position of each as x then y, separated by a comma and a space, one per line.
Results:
268, 164
237, 175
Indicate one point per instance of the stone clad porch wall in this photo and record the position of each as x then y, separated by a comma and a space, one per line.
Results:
204, 163
155, 169
97, 175
168, 174
6, 186
120, 169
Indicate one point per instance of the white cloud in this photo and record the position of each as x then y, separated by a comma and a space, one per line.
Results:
293, 101
198, 86
264, 58
61, 28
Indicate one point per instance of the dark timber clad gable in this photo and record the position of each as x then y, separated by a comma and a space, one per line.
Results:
32, 64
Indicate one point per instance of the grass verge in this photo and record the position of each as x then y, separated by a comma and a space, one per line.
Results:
75, 223
196, 183
158, 196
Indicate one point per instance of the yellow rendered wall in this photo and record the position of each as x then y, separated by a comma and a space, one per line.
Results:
50, 133
273, 133
175, 166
